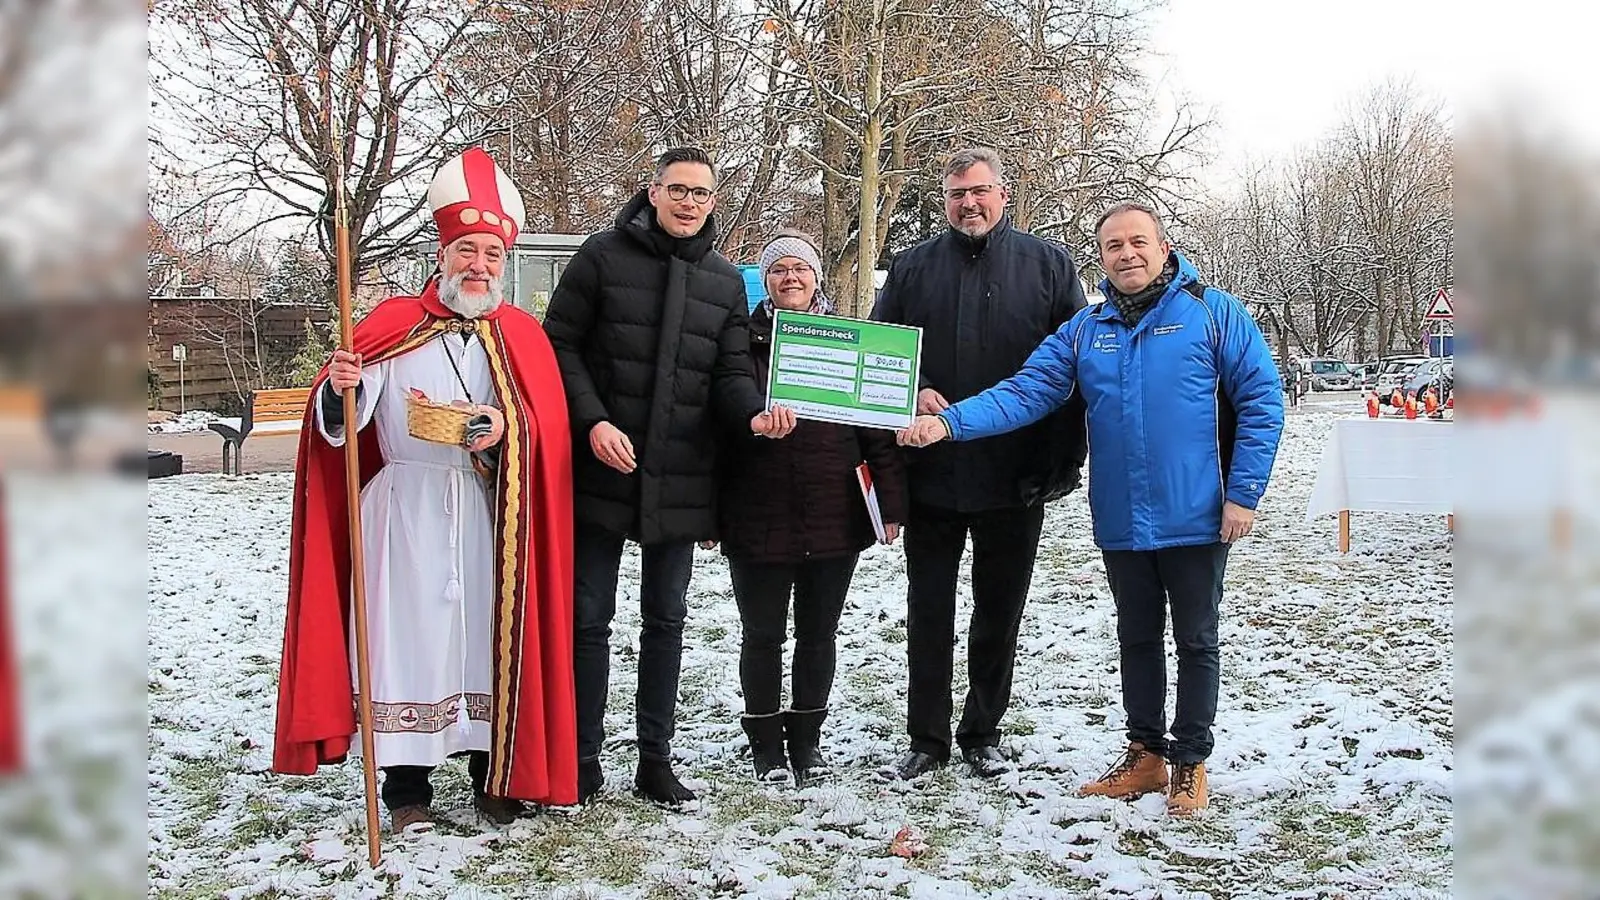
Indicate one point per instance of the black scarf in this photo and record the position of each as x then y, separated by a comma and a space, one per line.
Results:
1134, 306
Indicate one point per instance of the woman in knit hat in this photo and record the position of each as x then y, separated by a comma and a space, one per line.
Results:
793, 521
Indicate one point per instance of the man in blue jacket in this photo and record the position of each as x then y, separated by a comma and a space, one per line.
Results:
1185, 412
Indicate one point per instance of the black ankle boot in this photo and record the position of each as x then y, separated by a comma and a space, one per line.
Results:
766, 747
803, 727
655, 782
590, 780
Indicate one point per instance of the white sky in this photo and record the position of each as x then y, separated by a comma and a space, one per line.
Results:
1277, 73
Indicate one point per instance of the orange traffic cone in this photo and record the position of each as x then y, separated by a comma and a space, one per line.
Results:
1397, 401
1411, 406
1372, 404
1430, 401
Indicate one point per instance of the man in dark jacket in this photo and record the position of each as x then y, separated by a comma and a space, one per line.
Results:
650, 326
985, 295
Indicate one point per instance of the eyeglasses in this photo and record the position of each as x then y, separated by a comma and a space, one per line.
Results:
781, 272
701, 195
978, 192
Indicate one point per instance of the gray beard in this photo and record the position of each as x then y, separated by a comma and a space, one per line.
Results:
470, 306
975, 231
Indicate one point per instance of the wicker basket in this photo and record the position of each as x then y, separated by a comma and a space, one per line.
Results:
439, 423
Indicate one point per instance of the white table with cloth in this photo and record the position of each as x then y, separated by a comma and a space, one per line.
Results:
1441, 467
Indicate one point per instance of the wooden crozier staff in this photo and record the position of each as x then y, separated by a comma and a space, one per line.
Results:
352, 481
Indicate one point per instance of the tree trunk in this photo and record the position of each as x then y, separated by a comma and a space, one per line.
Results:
871, 159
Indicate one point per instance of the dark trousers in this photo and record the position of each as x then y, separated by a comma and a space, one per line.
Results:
1143, 583
664, 582
762, 592
410, 785
1003, 546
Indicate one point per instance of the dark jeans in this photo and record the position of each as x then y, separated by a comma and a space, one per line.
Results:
1003, 546
409, 785
762, 592
664, 581
1143, 583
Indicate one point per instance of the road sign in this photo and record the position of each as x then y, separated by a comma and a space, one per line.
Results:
180, 352
1441, 308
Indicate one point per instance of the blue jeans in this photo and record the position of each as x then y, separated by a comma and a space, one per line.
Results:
1143, 583
664, 583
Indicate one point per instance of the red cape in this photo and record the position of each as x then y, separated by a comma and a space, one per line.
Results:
10, 706
533, 743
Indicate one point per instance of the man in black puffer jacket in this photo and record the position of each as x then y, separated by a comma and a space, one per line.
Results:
985, 295
650, 326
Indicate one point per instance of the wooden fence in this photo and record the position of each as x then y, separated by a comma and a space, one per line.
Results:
235, 345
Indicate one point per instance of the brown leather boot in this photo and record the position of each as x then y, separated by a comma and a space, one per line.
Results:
1137, 773
413, 818
1188, 791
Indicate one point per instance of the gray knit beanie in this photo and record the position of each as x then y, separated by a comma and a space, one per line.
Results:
791, 244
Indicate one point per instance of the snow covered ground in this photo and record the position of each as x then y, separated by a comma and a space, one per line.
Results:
195, 420
72, 823
1332, 775
1528, 688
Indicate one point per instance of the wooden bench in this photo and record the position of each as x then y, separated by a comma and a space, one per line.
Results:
277, 411
20, 402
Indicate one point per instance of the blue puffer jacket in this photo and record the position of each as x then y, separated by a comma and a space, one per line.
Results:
1154, 395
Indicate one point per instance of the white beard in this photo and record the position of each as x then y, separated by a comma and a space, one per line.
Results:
470, 305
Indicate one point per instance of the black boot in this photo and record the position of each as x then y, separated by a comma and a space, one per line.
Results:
590, 779
804, 730
654, 781
766, 747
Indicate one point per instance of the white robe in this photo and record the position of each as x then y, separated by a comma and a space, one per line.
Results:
427, 533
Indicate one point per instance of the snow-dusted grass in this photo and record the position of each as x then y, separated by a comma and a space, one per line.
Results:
71, 824
192, 422
1528, 684
1331, 776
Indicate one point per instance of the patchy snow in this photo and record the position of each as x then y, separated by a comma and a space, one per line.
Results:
1529, 701
74, 819
1331, 776
192, 421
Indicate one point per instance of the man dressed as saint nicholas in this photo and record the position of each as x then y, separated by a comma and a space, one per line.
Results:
466, 534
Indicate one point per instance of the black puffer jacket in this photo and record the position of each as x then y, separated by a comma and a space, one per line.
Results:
984, 306
794, 499
652, 336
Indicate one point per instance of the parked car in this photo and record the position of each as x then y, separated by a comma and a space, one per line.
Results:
1393, 371
1438, 372
1326, 374
1366, 373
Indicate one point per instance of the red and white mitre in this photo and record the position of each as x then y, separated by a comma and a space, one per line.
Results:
472, 195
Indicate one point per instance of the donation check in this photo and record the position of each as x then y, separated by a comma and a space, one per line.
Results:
849, 371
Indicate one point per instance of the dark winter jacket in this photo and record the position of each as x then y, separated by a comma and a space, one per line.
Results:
797, 498
652, 336
983, 306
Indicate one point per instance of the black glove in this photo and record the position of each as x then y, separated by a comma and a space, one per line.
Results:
478, 426
333, 406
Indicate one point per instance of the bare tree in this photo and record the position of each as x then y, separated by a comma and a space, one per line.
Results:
1079, 132
287, 98
67, 156
876, 82
558, 87
1340, 247
1530, 220
1398, 179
